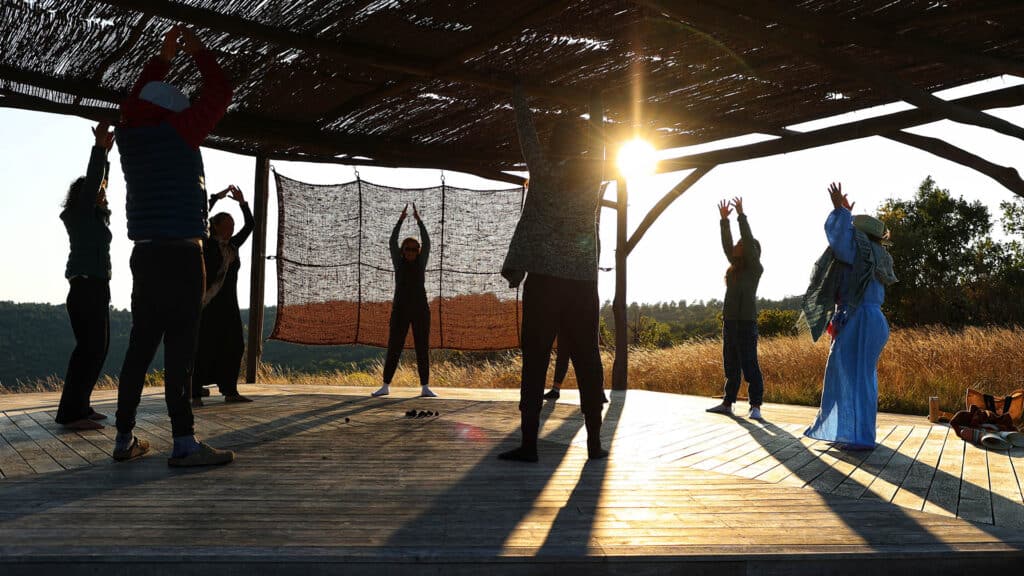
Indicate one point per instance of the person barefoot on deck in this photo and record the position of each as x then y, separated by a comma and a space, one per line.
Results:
845, 297
221, 345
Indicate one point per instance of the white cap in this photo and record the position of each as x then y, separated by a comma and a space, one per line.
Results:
165, 96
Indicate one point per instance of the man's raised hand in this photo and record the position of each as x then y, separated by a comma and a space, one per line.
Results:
169, 49
190, 43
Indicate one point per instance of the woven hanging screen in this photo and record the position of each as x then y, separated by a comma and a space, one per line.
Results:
335, 277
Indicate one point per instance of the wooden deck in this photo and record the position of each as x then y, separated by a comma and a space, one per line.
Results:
328, 479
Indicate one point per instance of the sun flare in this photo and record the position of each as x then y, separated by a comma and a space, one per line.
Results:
637, 158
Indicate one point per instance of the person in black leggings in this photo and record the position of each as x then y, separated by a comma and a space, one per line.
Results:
87, 220
409, 306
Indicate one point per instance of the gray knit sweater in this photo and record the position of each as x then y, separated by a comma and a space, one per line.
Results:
557, 230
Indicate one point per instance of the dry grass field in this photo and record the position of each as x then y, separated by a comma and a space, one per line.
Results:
917, 363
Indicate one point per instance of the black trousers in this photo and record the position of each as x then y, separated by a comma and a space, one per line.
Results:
739, 356
569, 309
88, 306
404, 314
168, 281
221, 345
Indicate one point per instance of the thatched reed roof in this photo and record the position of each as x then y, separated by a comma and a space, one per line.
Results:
426, 83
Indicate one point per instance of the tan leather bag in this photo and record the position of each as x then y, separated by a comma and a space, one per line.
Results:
1012, 404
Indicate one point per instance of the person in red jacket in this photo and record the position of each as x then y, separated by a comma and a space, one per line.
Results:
158, 138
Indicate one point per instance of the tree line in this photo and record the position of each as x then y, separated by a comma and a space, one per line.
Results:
952, 272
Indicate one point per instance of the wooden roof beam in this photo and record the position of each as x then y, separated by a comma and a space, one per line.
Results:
884, 82
507, 31
1005, 175
261, 129
877, 126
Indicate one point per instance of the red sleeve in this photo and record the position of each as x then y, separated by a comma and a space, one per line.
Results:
196, 123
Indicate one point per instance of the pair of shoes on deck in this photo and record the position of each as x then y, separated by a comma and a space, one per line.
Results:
425, 392
726, 409
205, 455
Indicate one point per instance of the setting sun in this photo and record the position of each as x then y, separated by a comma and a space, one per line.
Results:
637, 158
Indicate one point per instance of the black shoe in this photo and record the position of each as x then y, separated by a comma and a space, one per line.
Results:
554, 394
94, 415
519, 455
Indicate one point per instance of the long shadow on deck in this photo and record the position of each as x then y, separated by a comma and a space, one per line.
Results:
34, 494
898, 518
510, 498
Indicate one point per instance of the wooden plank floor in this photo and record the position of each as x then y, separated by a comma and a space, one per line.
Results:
327, 475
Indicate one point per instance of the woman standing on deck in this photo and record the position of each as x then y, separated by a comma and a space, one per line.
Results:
409, 306
848, 285
221, 345
739, 313
87, 220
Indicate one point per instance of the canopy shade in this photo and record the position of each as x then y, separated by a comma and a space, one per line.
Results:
426, 83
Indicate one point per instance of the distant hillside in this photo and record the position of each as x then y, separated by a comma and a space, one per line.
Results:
36, 340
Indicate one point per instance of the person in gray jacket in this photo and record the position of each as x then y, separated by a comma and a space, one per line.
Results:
739, 312
554, 247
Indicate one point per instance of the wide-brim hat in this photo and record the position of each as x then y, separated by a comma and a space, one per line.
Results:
164, 95
871, 226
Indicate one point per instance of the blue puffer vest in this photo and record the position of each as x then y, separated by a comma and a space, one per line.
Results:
166, 184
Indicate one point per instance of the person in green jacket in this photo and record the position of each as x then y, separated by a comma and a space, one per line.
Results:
739, 313
87, 220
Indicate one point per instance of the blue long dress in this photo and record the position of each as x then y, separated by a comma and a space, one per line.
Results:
849, 398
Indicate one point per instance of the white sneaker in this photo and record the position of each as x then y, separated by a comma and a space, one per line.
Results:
755, 413
426, 392
722, 408
384, 391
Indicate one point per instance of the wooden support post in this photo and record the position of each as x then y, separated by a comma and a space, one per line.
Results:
261, 190
620, 368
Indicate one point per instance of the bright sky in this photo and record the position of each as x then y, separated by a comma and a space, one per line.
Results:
679, 258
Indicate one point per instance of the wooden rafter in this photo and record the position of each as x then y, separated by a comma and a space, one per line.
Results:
877, 126
1005, 175
663, 204
883, 81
